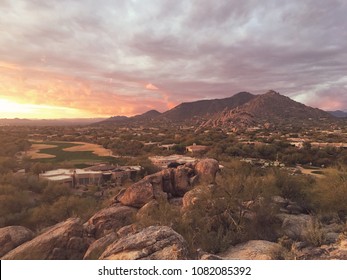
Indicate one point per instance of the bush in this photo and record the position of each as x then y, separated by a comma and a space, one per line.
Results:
314, 234
330, 193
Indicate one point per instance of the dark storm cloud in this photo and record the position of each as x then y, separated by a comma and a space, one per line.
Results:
185, 49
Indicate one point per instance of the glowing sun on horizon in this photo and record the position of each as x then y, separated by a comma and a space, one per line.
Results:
10, 109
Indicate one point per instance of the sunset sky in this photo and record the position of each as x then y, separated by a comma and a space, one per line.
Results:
101, 58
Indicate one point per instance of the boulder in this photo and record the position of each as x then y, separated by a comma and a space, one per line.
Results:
339, 252
168, 183
152, 243
63, 241
110, 219
255, 250
147, 210
13, 236
98, 246
280, 201
202, 255
295, 226
192, 197
137, 194
182, 179
207, 170
127, 230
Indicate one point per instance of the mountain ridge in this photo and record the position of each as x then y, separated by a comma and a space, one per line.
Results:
242, 109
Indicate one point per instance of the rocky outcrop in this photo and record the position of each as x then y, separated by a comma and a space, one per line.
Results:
295, 226
192, 197
152, 243
168, 183
287, 206
207, 169
139, 193
13, 236
336, 251
255, 250
110, 219
64, 241
98, 246
202, 255
147, 210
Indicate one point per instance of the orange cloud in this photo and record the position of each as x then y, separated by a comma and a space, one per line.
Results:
48, 92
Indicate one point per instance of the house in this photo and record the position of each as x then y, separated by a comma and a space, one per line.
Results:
95, 175
73, 177
164, 161
196, 148
118, 174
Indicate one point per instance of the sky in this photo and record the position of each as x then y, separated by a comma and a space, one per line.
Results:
101, 58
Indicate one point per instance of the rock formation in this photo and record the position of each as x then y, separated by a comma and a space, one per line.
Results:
64, 241
255, 250
13, 236
109, 219
207, 169
98, 246
154, 243
168, 183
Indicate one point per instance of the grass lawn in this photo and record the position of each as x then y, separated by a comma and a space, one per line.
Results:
77, 158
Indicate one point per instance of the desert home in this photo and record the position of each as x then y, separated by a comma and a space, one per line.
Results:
164, 161
196, 148
94, 175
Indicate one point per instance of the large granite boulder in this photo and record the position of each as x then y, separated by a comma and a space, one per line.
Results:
64, 241
98, 246
207, 170
197, 195
13, 236
110, 219
255, 250
152, 243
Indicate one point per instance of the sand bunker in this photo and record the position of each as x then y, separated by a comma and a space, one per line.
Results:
34, 152
88, 147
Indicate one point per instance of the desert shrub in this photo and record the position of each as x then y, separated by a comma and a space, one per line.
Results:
53, 191
264, 224
330, 193
13, 203
296, 188
213, 222
47, 214
314, 234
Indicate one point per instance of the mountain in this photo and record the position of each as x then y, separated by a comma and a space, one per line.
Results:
270, 107
187, 110
338, 114
145, 117
152, 114
240, 110
203, 108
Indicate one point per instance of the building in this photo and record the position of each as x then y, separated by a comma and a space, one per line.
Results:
95, 175
196, 148
117, 174
73, 177
164, 161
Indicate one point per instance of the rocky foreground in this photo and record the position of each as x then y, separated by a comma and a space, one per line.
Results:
114, 233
